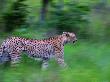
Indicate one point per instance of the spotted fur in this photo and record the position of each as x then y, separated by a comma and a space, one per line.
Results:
45, 49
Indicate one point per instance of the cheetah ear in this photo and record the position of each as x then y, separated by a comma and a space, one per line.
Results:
64, 32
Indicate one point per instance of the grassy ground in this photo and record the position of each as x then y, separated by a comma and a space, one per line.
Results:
88, 62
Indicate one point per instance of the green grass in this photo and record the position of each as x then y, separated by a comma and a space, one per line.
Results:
87, 62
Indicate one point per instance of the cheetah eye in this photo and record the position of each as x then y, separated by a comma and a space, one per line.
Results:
67, 35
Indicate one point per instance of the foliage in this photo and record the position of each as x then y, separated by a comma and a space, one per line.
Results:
16, 17
70, 18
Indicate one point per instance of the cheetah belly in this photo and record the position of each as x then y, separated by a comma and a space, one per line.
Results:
41, 51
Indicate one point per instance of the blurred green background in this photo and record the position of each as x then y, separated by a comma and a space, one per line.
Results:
88, 59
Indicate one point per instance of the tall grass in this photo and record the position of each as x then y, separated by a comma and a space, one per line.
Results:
87, 62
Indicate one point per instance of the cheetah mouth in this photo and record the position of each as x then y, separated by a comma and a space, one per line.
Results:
74, 41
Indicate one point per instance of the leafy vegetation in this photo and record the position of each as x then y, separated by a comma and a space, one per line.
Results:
71, 18
16, 17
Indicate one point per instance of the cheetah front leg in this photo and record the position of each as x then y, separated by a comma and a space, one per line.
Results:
59, 56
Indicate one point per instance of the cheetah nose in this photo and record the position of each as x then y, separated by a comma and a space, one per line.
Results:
76, 40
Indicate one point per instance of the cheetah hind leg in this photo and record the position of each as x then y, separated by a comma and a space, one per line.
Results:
15, 59
45, 63
4, 57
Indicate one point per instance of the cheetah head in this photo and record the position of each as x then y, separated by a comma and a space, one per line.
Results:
69, 37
